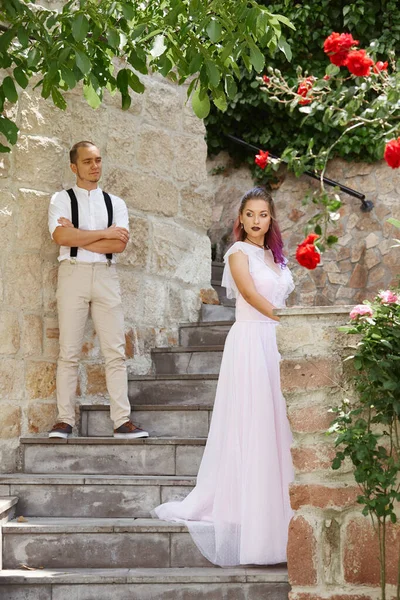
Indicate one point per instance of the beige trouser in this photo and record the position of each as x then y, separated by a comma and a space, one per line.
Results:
81, 285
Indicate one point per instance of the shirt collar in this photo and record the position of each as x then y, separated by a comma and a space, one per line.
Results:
86, 193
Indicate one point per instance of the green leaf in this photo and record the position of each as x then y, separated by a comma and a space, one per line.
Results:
214, 30
332, 70
220, 100
91, 96
126, 101
285, 48
138, 63
213, 73
23, 37
20, 77
201, 106
83, 62
69, 77
123, 81
230, 87
9, 89
128, 11
80, 27
332, 239
58, 98
257, 58
285, 21
9, 129
113, 38
394, 222
135, 83
195, 64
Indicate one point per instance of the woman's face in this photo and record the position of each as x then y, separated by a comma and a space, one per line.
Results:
256, 218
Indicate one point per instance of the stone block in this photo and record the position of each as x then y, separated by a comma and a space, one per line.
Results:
196, 206
155, 305
51, 337
96, 380
11, 379
9, 332
32, 230
132, 295
199, 391
40, 379
130, 459
86, 123
361, 552
184, 553
138, 248
376, 275
156, 151
190, 159
184, 305
180, 253
49, 285
122, 141
41, 417
188, 459
30, 154
10, 422
141, 192
302, 546
163, 105
191, 123
8, 217
323, 496
32, 335
41, 117
166, 363
23, 592
94, 550
115, 101
171, 493
316, 457
89, 501
310, 419
309, 374
23, 277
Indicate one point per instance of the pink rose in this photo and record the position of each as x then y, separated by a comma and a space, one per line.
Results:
361, 310
388, 297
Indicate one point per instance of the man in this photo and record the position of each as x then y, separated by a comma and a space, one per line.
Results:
87, 277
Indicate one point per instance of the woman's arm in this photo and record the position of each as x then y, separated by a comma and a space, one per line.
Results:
239, 265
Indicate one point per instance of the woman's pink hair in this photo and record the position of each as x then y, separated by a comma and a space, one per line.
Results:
273, 238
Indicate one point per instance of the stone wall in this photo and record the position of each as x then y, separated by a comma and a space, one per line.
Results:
332, 550
360, 264
154, 158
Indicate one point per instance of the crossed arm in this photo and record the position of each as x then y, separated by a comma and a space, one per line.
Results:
112, 240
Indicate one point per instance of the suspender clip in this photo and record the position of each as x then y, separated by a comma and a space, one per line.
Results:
72, 261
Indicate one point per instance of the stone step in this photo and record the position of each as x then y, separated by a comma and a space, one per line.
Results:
56, 543
102, 456
217, 269
221, 291
202, 583
215, 312
207, 334
185, 360
172, 389
102, 496
8, 503
158, 420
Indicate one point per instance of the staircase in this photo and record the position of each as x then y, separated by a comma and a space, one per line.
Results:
75, 521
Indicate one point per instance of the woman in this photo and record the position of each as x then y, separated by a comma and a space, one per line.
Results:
239, 511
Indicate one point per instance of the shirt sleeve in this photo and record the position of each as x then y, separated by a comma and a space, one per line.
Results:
59, 206
120, 213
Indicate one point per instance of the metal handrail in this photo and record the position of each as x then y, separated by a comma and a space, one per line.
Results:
366, 205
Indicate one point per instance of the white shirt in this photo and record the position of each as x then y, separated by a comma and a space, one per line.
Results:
92, 216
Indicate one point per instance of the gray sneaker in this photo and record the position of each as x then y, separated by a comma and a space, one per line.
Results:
129, 431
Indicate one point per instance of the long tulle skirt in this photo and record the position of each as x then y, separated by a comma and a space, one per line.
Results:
239, 511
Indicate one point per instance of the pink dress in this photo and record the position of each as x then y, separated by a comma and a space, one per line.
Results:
239, 511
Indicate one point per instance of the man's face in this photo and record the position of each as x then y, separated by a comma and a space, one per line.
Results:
88, 164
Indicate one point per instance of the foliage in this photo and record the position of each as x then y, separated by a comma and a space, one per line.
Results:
367, 429
254, 117
201, 40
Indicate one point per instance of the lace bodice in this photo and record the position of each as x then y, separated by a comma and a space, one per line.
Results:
273, 286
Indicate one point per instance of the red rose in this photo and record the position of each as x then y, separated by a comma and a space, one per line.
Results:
358, 63
337, 46
303, 89
392, 153
266, 79
326, 77
261, 159
307, 254
380, 66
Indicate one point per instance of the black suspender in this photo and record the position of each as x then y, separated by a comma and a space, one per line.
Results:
75, 217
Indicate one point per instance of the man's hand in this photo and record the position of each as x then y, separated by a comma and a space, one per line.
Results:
117, 233
64, 222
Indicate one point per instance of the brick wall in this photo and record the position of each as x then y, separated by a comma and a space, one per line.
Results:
332, 550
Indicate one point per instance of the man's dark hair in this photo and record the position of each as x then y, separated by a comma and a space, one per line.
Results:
73, 153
